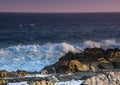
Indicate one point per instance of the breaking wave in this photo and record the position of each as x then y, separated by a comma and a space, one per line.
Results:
36, 57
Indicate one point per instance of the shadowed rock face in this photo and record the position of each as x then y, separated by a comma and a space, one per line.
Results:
89, 59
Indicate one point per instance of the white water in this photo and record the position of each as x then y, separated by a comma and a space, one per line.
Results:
19, 83
36, 57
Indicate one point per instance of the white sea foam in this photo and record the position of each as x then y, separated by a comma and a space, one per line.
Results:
32, 57
104, 43
36, 57
18, 83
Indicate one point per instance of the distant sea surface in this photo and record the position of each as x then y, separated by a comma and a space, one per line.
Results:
31, 41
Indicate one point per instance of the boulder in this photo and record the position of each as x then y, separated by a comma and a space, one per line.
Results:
75, 66
43, 82
3, 73
3, 82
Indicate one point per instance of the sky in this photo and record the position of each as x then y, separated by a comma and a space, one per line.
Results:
59, 5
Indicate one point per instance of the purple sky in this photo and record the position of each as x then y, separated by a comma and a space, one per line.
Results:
59, 5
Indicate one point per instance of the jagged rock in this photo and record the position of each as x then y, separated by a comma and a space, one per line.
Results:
3, 73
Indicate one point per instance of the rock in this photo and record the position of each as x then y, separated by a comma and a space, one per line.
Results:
3, 82
103, 79
33, 83
13, 74
43, 82
90, 59
67, 66
38, 83
3, 73
93, 68
105, 66
103, 60
75, 66
116, 65
94, 52
114, 56
22, 73
68, 56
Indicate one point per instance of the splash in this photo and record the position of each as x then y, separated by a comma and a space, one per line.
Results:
36, 57
103, 43
32, 57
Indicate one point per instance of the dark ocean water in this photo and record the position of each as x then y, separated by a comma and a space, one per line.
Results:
30, 41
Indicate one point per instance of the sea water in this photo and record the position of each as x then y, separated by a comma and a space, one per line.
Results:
31, 41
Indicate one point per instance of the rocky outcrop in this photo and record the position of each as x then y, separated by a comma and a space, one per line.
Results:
90, 59
67, 67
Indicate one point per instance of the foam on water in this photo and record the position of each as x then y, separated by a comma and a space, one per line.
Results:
36, 57
32, 57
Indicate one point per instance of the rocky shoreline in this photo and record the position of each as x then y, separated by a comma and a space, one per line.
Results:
89, 65
90, 59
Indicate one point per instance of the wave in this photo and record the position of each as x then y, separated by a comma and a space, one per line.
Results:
36, 57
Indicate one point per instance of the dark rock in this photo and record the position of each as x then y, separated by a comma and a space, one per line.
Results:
105, 66
68, 56
116, 65
67, 67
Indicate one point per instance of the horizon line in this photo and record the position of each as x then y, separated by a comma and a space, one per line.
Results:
59, 12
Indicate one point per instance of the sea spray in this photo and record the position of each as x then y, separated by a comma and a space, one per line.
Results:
36, 57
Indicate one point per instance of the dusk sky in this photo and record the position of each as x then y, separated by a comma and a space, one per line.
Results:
59, 5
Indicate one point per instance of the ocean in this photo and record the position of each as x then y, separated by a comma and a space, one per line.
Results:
31, 41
